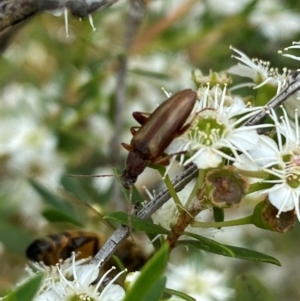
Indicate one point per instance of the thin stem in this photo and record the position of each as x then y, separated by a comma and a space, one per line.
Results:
292, 87
198, 185
237, 222
123, 231
173, 193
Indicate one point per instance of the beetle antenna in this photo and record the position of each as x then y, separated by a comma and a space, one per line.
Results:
90, 176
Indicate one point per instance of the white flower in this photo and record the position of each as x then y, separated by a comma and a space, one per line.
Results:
282, 161
167, 215
66, 267
292, 103
131, 279
212, 78
259, 71
72, 281
31, 151
201, 284
216, 128
232, 7
296, 45
102, 141
274, 20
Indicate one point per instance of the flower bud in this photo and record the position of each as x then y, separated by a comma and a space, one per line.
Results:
225, 187
265, 216
213, 78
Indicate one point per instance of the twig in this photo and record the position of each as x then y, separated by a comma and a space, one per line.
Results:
15, 11
292, 87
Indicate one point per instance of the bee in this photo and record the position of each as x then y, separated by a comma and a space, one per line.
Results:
55, 247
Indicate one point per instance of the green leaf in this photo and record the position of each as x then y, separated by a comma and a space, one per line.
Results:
212, 246
14, 238
146, 73
156, 291
248, 254
74, 186
179, 294
133, 196
55, 216
249, 8
26, 291
218, 214
136, 222
206, 244
249, 288
149, 276
50, 198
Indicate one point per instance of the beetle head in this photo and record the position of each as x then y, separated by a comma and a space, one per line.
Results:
135, 165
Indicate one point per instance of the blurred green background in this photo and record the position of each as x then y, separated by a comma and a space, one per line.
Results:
57, 108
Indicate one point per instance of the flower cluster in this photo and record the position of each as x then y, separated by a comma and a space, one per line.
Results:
264, 156
216, 127
206, 285
76, 280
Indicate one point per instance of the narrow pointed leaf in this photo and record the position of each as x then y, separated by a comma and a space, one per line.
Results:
207, 245
179, 294
152, 271
26, 291
14, 238
248, 254
156, 291
212, 246
249, 288
133, 196
73, 185
50, 198
55, 216
136, 222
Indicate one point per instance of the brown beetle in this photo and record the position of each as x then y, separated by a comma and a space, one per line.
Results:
155, 134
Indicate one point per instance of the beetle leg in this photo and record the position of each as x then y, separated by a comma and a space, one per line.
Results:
134, 130
162, 160
127, 146
182, 130
140, 117
185, 127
